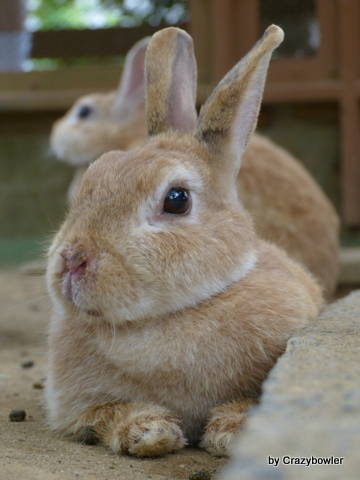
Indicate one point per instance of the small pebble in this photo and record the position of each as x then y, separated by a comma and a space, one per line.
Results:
38, 385
17, 415
199, 476
88, 436
27, 364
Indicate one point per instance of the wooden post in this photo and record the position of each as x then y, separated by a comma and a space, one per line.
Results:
350, 145
200, 29
246, 26
328, 55
222, 23
14, 40
12, 15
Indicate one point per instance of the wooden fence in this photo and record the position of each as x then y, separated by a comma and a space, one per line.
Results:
223, 32
58, 88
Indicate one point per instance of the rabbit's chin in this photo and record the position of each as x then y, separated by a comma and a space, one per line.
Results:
73, 157
80, 160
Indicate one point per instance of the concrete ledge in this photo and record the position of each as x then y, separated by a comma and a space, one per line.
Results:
310, 405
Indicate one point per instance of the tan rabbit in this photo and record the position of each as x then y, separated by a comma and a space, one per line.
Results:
101, 122
288, 206
168, 310
290, 209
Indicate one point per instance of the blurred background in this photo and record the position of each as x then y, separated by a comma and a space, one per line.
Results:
53, 51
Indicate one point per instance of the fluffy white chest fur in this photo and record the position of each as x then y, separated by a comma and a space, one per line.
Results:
168, 363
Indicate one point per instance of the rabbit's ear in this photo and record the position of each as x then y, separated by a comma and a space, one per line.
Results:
131, 90
171, 77
229, 116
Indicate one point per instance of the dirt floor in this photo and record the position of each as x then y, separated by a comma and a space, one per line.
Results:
27, 450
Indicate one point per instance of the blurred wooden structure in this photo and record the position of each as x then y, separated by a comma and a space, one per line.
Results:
12, 15
223, 32
60, 87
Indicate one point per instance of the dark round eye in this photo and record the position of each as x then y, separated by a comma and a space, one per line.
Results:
84, 111
176, 201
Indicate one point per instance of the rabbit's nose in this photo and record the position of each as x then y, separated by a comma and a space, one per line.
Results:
74, 263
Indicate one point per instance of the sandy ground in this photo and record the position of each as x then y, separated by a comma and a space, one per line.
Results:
27, 450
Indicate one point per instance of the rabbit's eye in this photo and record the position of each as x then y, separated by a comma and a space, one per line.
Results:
84, 111
176, 201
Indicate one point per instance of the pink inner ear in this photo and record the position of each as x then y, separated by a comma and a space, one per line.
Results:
132, 84
180, 103
137, 76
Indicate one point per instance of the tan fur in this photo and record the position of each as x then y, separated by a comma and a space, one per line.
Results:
135, 429
73, 140
288, 206
290, 209
161, 78
116, 120
223, 425
159, 318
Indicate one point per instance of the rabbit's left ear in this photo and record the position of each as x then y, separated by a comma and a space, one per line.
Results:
229, 116
131, 90
171, 77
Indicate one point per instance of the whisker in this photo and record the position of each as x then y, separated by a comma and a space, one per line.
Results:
26, 303
46, 214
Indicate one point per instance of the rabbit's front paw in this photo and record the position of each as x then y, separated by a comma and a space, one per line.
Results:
225, 422
131, 428
147, 435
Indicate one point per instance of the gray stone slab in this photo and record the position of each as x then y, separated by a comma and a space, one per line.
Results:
310, 406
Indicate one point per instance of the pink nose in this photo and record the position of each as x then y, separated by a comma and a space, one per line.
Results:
74, 263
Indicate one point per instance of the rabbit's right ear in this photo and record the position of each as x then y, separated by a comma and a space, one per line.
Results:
131, 90
171, 77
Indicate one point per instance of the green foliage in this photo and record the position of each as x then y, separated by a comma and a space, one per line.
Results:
52, 14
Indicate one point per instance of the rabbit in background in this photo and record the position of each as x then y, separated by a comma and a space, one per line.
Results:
288, 206
101, 122
168, 310
290, 209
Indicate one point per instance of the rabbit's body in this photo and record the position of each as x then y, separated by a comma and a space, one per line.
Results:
188, 361
168, 310
289, 209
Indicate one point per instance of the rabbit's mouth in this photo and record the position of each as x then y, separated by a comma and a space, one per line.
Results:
73, 289
77, 274
72, 156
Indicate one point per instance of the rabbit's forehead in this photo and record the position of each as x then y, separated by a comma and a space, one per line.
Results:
145, 170
91, 100
96, 101
88, 100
